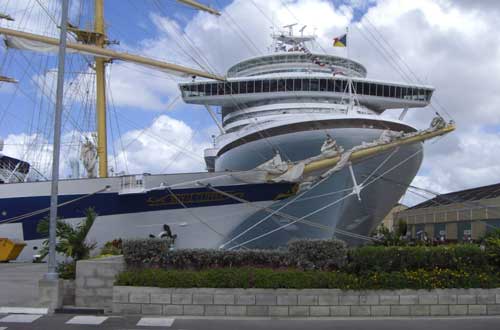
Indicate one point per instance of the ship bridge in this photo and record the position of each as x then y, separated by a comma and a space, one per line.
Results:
243, 92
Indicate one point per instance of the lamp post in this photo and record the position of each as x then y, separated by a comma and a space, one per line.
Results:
51, 273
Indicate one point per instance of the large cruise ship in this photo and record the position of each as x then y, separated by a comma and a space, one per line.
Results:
303, 152
288, 103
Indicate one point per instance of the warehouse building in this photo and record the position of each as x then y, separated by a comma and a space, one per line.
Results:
390, 219
457, 216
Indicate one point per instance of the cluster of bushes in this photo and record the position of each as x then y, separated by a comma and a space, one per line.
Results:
395, 258
295, 279
305, 254
310, 255
313, 264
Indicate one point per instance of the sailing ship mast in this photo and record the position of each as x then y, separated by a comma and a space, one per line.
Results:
94, 43
100, 71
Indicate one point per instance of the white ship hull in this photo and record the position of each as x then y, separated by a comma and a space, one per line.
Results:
386, 177
137, 210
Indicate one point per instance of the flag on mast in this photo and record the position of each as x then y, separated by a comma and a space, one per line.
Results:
340, 41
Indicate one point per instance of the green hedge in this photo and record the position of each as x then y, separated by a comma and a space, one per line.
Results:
313, 255
302, 254
466, 257
295, 279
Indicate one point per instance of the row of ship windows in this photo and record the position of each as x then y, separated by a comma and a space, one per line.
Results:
288, 111
304, 85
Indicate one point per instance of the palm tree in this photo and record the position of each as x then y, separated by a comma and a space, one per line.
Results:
71, 239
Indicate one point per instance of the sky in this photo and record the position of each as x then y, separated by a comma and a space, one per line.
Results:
451, 45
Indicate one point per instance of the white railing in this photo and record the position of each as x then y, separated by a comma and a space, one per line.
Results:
132, 184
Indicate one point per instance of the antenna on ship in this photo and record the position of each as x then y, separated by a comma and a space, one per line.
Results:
94, 43
302, 30
290, 28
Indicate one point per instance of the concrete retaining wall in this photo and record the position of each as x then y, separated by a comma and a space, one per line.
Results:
94, 281
304, 303
68, 293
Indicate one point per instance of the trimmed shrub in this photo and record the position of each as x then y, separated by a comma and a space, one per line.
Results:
113, 247
204, 259
393, 258
146, 252
295, 279
66, 270
492, 247
318, 254
308, 254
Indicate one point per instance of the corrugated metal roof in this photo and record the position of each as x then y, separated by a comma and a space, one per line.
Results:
462, 196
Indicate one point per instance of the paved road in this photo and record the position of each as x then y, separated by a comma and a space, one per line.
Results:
61, 321
19, 283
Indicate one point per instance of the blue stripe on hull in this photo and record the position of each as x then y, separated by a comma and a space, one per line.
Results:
113, 203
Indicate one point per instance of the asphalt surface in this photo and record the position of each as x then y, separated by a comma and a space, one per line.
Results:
19, 283
58, 321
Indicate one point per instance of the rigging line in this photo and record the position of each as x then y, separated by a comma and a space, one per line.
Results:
391, 48
296, 18
390, 59
240, 32
40, 211
331, 204
311, 115
274, 212
173, 36
406, 78
378, 49
178, 153
261, 134
190, 43
258, 131
192, 213
243, 36
190, 182
47, 12
477, 205
402, 60
291, 223
117, 123
381, 164
286, 216
35, 82
110, 123
191, 154
168, 106
470, 201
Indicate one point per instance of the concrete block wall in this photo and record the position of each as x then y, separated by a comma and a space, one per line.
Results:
304, 303
68, 292
94, 281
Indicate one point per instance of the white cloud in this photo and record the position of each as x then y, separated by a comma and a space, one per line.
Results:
37, 150
140, 88
449, 44
168, 145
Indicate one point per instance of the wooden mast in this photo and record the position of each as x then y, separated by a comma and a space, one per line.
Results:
94, 44
112, 54
100, 70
